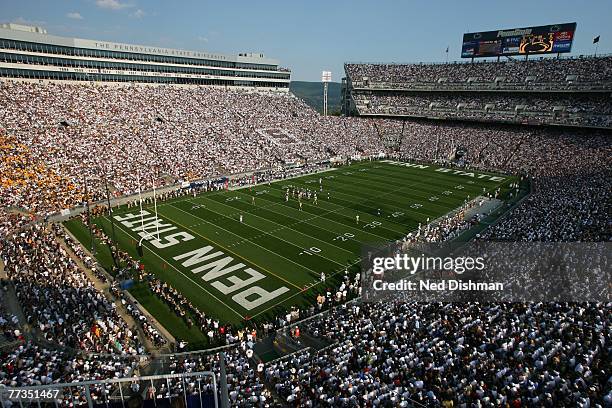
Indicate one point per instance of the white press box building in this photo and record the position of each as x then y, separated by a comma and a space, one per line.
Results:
30, 53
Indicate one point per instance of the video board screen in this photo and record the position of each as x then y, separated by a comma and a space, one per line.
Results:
550, 39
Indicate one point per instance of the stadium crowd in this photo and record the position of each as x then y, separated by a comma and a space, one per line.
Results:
60, 144
544, 70
32, 364
189, 313
587, 111
370, 83
428, 354
59, 300
569, 171
28, 184
89, 135
149, 330
246, 386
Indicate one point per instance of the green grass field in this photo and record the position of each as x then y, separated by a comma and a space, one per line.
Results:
226, 267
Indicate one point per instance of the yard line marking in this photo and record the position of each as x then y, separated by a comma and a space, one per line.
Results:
359, 201
376, 179
308, 287
206, 195
275, 188
232, 252
178, 270
328, 212
396, 205
369, 198
281, 228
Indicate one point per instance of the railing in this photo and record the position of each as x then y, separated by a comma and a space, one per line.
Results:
561, 86
125, 198
198, 389
494, 115
480, 60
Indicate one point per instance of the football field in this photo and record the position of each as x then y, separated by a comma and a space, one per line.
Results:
252, 252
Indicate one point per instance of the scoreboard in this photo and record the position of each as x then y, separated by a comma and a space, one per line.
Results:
550, 39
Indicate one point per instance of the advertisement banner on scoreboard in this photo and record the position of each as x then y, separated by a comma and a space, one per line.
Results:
555, 38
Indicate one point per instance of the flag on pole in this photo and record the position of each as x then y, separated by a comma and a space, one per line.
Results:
596, 40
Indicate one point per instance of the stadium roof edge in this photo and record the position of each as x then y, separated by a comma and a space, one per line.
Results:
45, 38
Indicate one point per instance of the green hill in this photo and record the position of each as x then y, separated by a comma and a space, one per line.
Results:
312, 94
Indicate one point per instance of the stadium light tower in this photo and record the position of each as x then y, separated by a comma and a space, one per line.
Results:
326, 79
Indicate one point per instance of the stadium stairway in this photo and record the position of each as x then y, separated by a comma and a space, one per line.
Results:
8, 299
104, 288
281, 344
275, 346
314, 343
514, 151
6, 344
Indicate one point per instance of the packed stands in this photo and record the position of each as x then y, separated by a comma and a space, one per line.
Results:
572, 92
544, 73
91, 134
58, 298
537, 109
404, 354
61, 143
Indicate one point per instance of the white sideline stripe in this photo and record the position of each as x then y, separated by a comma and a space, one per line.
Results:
181, 272
312, 285
246, 239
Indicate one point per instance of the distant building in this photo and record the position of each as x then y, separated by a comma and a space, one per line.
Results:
29, 52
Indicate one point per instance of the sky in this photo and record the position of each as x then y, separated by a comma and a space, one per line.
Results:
310, 36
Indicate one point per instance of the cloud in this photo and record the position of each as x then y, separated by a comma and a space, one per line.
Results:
74, 15
202, 39
112, 4
138, 14
25, 21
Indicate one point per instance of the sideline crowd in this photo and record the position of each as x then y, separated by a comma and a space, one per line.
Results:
61, 143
